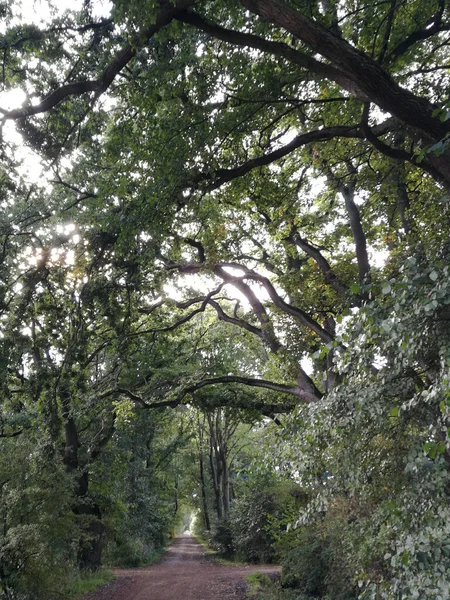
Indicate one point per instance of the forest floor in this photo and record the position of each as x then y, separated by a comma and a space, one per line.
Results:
185, 572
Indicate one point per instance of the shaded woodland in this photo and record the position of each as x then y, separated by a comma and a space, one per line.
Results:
225, 290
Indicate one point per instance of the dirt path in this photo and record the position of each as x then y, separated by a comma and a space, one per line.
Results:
185, 573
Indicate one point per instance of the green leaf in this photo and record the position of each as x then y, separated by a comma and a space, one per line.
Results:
440, 448
387, 326
431, 449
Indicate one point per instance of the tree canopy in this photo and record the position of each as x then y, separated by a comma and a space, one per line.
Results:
237, 208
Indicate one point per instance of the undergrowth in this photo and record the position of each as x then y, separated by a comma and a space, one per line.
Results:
86, 583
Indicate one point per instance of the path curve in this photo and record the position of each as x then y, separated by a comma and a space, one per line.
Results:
185, 573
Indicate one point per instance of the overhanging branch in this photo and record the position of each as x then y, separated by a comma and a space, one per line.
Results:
252, 382
395, 153
166, 14
277, 300
248, 40
367, 74
224, 380
433, 27
221, 176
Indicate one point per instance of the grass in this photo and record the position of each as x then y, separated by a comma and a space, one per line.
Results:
89, 582
204, 544
215, 554
257, 582
258, 579
126, 559
232, 561
261, 587
154, 557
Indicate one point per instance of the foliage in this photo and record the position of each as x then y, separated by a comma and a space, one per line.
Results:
248, 520
261, 587
221, 538
136, 484
38, 531
383, 470
313, 561
84, 584
216, 214
259, 514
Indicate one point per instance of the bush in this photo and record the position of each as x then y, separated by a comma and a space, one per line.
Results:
37, 545
221, 539
306, 564
248, 521
128, 552
382, 439
315, 558
258, 515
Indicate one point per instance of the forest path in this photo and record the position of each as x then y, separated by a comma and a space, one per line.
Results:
185, 573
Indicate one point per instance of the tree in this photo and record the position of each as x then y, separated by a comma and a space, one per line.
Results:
224, 146
375, 454
252, 172
37, 527
137, 483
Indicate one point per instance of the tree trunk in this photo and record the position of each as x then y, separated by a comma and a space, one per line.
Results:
216, 481
359, 237
226, 488
200, 449
331, 375
92, 538
366, 73
92, 532
203, 488
92, 535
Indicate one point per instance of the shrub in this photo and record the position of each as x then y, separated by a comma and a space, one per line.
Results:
248, 521
221, 539
306, 564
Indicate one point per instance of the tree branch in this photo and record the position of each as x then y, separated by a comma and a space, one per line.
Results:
198, 246
226, 379
248, 40
395, 153
330, 276
294, 311
367, 74
166, 14
252, 382
387, 31
359, 237
433, 27
105, 436
222, 176
222, 315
